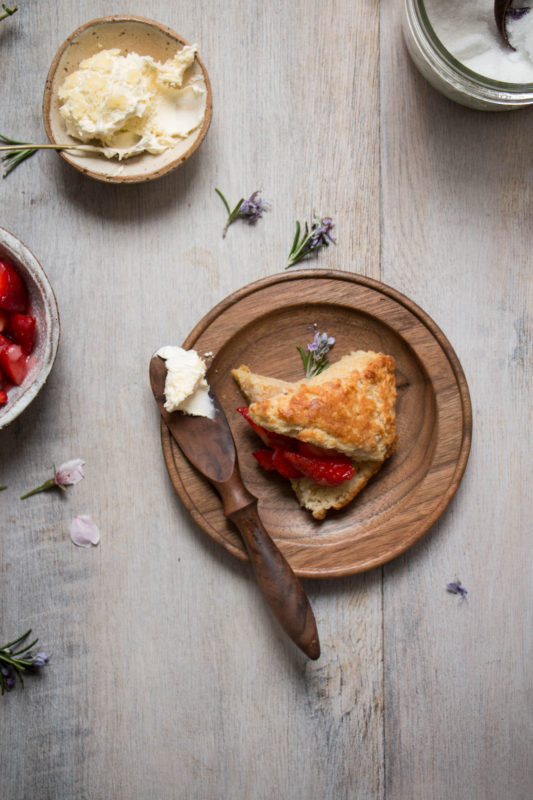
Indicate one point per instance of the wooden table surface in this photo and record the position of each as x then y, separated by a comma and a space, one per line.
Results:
169, 678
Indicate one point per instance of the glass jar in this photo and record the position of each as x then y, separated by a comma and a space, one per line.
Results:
448, 75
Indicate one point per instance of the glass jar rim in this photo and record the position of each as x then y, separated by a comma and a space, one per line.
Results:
512, 90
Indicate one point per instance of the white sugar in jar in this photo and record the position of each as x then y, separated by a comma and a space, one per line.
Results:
458, 49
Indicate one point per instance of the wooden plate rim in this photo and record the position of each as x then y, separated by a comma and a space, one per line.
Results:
460, 382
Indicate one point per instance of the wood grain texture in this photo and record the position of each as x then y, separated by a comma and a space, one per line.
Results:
455, 204
169, 679
433, 410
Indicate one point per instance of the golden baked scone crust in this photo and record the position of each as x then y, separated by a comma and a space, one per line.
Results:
258, 387
349, 407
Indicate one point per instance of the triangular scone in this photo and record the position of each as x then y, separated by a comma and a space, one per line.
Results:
349, 407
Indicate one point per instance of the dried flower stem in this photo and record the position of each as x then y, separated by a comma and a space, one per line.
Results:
232, 215
17, 152
7, 12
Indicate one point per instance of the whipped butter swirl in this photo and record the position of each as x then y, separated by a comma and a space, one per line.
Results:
132, 104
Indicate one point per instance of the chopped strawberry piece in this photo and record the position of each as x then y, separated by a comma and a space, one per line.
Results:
265, 458
13, 295
3, 397
12, 361
323, 470
4, 321
23, 328
269, 438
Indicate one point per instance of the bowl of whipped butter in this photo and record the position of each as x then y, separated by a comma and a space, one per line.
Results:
130, 96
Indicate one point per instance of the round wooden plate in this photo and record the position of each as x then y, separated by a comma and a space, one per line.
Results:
260, 325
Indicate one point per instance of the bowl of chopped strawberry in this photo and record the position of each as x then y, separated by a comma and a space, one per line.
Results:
29, 327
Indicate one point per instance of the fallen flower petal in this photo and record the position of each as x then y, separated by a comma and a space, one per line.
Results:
69, 473
83, 531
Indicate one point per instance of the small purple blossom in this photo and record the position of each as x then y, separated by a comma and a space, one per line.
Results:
9, 676
321, 344
251, 209
315, 360
322, 235
312, 238
254, 207
68, 474
40, 659
457, 588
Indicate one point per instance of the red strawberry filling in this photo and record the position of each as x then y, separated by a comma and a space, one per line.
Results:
17, 329
13, 295
294, 459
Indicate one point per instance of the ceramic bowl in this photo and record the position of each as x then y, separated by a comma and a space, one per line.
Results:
129, 34
44, 309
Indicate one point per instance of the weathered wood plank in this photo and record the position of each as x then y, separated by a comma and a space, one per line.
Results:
169, 679
458, 676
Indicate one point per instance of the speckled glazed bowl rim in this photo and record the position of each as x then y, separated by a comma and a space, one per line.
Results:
196, 136
38, 285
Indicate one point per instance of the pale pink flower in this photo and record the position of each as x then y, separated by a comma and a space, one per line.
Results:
69, 473
83, 531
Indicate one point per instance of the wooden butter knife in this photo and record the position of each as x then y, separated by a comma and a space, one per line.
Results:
208, 444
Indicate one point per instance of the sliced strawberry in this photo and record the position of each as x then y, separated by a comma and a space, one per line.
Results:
13, 362
323, 470
285, 467
23, 329
13, 295
312, 451
265, 458
269, 438
3, 397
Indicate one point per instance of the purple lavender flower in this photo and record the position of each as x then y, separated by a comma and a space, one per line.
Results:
40, 659
322, 235
9, 677
315, 360
251, 209
457, 588
319, 235
254, 207
15, 658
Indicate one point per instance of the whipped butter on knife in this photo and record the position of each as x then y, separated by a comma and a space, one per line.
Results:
186, 388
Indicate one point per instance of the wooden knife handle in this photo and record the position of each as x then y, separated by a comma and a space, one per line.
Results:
280, 586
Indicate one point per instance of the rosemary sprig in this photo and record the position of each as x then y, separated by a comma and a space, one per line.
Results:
251, 209
17, 152
7, 11
15, 658
312, 238
315, 360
